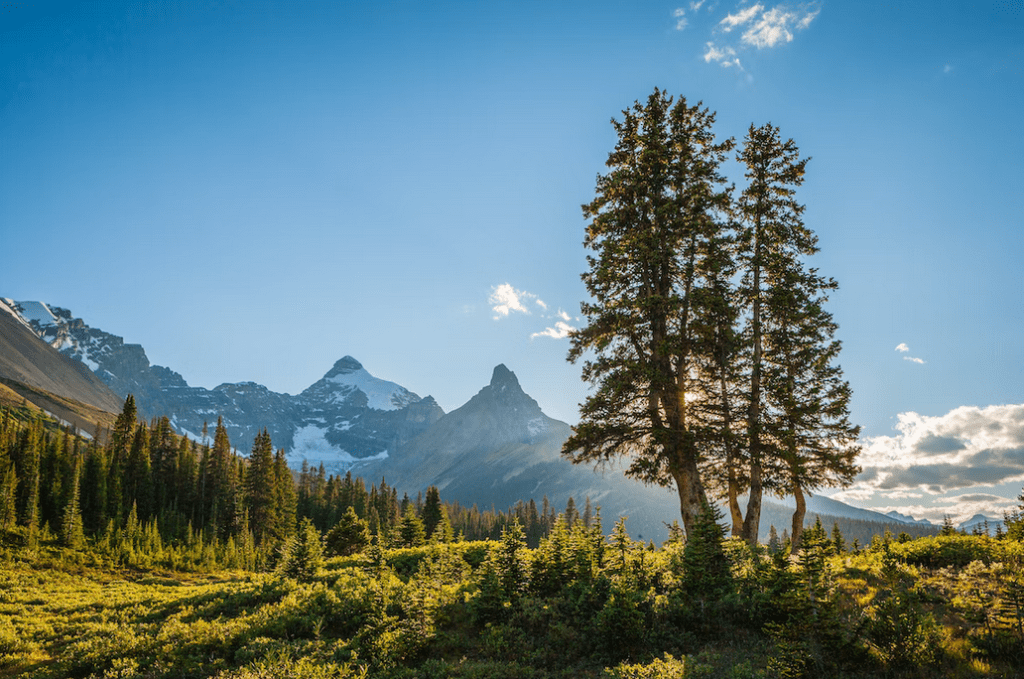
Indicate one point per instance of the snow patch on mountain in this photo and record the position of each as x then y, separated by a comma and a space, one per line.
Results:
38, 312
11, 307
310, 443
380, 394
537, 425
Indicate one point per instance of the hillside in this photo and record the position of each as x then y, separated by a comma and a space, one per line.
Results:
43, 376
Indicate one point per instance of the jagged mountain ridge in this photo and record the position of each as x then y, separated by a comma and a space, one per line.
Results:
345, 416
495, 450
500, 448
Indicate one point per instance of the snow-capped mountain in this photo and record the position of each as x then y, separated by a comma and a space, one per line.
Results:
346, 416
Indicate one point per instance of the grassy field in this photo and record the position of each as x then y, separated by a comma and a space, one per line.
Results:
587, 606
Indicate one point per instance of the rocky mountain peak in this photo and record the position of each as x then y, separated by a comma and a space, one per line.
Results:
344, 366
502, 377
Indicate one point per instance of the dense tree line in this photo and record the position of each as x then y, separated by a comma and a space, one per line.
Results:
142, 479
707, 339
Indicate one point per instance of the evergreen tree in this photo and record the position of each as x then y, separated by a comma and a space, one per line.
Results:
838, 543
72, 532
571, 513
797, 430
774, 543
302, 555
432, 510
118, 450
164, 451
138, 476
286, 499
350, 535
94, 489
27, 470
811, 400
651, 223
511, 565
8, 497
411, 530
221, 484
262, 490
706, 572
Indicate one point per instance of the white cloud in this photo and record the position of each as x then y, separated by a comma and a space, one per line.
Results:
694, 6
505, 299
564, 316
560, 331
681, 21
761, 28
806, 20
967, 448
720, 55
774, 26
903, 348
541, 304
731, 21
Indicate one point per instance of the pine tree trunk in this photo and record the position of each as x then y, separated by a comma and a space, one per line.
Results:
752, 522
690, 488
798, 517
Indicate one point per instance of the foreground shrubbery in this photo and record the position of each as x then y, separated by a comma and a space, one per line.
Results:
582, 604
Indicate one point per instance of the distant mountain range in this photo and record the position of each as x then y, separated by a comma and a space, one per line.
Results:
497, 449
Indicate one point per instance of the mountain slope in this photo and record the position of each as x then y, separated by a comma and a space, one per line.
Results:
500, 448
46, 377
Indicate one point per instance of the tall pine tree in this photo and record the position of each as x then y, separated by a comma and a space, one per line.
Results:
655, 215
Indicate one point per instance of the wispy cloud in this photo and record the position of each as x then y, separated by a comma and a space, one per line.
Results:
564, 316
761, 29
903, 348
560, 331
731, 21
776, 26
726, 57
680, 16
505, 299
694, 6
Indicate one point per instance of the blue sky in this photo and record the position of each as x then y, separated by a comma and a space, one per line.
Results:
254, 190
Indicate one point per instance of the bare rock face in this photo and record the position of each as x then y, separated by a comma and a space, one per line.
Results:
25, 360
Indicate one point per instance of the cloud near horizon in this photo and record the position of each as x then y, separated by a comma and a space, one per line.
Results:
965, 451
